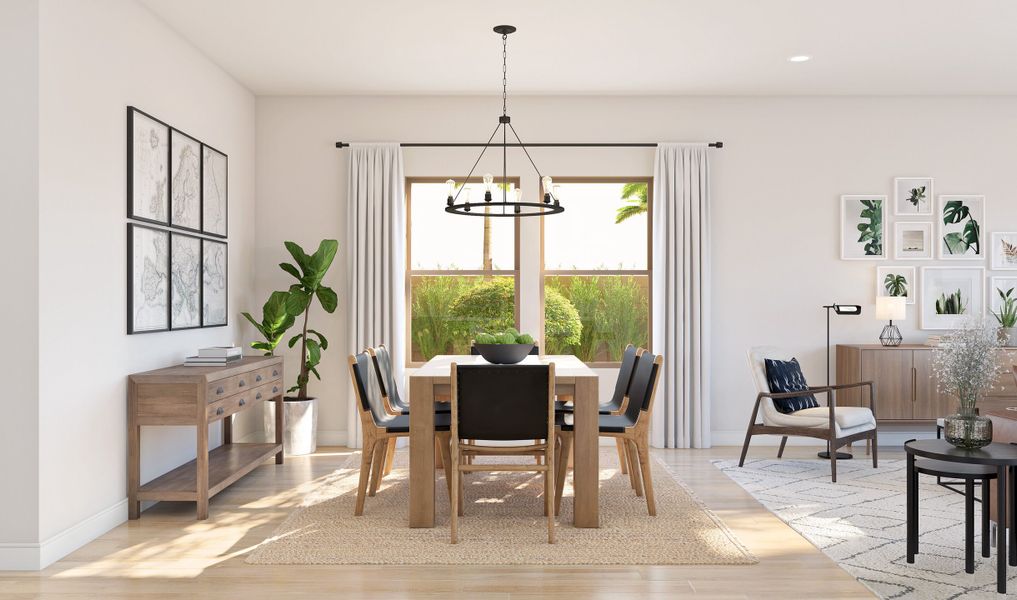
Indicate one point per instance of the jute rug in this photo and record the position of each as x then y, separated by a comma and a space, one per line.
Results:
859, 522
503, 525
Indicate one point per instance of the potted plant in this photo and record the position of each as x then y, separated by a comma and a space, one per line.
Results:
504, 348
275, 320
1007, 317
965, 367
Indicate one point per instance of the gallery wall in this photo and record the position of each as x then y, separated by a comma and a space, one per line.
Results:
776, 198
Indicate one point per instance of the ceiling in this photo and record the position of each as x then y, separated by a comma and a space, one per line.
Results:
738, 47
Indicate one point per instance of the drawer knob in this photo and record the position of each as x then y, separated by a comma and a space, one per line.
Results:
241, 383
243, 402
220, 410
257, 377
274, 389
275, 373
219, 390
256, 396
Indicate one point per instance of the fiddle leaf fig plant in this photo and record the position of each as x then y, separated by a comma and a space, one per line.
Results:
275, 320
309, 271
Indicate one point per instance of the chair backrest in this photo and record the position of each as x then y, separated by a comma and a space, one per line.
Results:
368, 388
757, 366
625, 372
643, 386
534, 352
502, 402
386, 377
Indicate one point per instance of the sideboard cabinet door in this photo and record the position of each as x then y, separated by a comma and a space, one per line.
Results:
893, 373
930, 403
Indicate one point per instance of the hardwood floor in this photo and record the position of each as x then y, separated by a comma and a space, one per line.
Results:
167, 554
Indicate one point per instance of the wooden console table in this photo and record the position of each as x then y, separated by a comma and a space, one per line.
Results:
200, 396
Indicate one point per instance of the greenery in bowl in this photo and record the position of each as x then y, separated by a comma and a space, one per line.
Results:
509, 336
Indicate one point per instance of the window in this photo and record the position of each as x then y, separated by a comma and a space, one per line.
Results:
462, 272
596, 269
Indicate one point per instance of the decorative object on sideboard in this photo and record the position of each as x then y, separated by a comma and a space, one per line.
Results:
852, 310
912, 196
215, 355
863, 227
913, 240
951, 295
961, 227
1004, 308
897, 281
1004, 251
966, 369
889, 308
504, 348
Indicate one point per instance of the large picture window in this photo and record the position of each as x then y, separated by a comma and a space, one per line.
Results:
462, 272
596, 269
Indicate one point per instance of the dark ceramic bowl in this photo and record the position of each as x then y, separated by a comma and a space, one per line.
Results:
503, 354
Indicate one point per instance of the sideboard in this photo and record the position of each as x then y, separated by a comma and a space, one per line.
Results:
906, 384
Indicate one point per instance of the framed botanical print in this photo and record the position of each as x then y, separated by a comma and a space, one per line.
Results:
185, 281
951, 295
912, 196
214, 280
1001, 290
1004, 250
185, 181
912, 240
862, 227
961, 227
148, 277
896, 281
214, 191
147, 167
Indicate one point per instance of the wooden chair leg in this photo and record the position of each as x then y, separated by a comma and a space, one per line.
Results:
455, 510
537, 459
549, 492
634, 478
745, 446
875, 450
390, 455
365, 473
438, 457
443, 440
780, 451
833, 461
643, 448
462, 490
562, 466
622, 458
377, 466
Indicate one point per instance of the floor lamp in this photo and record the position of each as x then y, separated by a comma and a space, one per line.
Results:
840, 309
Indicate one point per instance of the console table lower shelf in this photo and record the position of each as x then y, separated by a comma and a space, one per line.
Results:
226, 464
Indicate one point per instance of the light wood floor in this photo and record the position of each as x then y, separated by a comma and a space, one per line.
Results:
167, 554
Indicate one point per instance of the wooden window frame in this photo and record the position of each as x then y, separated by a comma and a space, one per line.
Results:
411, 272
648, 272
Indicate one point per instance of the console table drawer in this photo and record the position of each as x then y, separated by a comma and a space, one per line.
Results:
225, 407
229, 386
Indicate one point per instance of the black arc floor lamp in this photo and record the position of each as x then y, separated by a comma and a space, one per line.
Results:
853, 310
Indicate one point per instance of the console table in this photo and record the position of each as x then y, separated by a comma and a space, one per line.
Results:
200, 396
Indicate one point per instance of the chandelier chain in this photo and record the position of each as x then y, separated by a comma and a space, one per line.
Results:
504, 74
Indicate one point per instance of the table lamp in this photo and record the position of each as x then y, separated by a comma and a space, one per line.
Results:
889, 308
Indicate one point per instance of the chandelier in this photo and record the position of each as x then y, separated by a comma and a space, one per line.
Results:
506, 207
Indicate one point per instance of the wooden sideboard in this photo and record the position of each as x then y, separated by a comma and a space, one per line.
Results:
906, 386
200, 396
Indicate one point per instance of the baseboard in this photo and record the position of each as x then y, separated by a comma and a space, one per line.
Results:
36, 556
886, 439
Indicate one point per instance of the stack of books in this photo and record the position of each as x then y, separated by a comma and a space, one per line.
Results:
216, 355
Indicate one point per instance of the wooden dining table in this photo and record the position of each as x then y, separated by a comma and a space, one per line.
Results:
431, 382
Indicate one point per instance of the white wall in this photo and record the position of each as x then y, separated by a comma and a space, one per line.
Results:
776, 187
95, 58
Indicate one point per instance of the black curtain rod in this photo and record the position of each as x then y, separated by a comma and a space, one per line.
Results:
545, 145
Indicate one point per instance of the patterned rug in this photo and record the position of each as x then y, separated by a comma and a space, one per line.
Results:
859, 522
503, 525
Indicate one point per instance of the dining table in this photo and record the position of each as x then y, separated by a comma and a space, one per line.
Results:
431, 383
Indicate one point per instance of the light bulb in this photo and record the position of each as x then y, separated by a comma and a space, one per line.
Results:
557, 192
451, 183
488, 180
546, 180
519, 194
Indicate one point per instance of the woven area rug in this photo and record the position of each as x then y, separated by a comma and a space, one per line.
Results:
859, 522
503, 525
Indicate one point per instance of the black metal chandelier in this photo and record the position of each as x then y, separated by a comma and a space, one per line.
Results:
514, 207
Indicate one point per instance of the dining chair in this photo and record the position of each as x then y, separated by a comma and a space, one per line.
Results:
502, 403
379, 427
632, 427
534, 351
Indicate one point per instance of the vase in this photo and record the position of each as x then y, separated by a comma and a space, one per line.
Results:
967, 429
1008, 336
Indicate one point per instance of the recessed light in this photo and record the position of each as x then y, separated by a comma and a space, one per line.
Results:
799, 58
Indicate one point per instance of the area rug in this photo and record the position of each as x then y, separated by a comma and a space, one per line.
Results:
859, 522
503, 525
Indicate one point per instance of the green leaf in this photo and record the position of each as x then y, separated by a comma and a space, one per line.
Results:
297, 302
293, 340
315, 371
313, 353
256, 324
954, 212
290, 269
321, 339
954, 244
328, 298
298, 254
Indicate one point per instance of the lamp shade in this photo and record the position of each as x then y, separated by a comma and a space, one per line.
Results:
889, 308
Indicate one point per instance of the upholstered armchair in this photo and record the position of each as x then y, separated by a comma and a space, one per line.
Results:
837, 425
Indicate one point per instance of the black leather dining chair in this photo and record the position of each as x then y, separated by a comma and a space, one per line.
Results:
502, 403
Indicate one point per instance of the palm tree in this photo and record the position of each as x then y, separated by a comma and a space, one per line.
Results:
635, 196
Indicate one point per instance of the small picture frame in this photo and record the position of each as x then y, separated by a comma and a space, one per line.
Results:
148, 279
897, 281
951, 295
214, 283
185, 181
214, 192
185, 281
912, 240
912, 197
863, 227
1001, 288
961, 227
1004, 250
148, 167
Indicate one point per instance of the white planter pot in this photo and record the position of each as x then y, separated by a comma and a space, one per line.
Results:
300, 425
1008, 336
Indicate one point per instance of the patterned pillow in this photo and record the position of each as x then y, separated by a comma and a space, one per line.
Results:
786, 376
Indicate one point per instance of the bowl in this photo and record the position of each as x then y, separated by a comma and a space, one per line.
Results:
503, 354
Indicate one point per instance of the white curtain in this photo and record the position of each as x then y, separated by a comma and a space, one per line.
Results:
375, 257
681, 295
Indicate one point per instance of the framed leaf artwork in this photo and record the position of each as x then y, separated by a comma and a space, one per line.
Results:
863, 227
896, 281
912, 196
961, 227
951, 295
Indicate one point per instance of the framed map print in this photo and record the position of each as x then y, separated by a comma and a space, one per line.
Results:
185, 181
148, 279
214, 278
214, 191
863, 227
185, 281
147, 167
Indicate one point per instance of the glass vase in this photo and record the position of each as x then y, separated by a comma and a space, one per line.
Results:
967, 429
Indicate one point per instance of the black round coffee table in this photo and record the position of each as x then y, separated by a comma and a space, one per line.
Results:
1003, 457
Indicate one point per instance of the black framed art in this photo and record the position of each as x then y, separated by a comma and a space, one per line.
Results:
214, 192
148, 279
148, 167
185, 281
214, 282
185, 181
